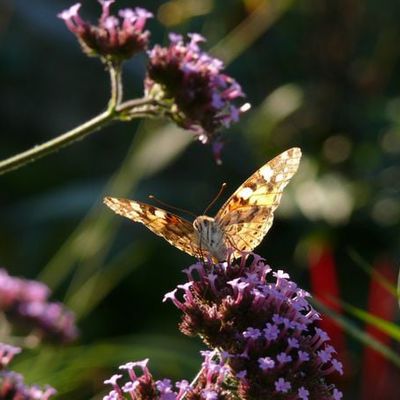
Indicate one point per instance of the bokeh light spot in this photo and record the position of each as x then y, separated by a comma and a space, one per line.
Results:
337, 148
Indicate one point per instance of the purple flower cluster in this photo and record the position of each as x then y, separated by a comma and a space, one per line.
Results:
183, 83
190, 83
139, 386
210, 383
12, 384
263, 324
25, 303
113, 39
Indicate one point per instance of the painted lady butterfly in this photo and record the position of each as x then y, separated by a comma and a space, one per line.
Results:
240, 224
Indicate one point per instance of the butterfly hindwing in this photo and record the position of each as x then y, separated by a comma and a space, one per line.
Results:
176, 230
248, 214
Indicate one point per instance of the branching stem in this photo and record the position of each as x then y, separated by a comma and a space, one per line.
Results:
117, 111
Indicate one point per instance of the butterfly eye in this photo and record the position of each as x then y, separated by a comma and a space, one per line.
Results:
200, 224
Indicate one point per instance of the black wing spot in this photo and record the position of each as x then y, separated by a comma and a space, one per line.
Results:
251, 185
152, 210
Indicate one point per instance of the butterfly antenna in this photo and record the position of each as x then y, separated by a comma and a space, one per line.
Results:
172, 207
215, 198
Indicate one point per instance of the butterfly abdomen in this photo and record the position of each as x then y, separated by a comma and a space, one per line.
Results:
211, 238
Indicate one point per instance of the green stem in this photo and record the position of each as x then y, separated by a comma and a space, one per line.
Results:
133, 108
115, 71
196, 378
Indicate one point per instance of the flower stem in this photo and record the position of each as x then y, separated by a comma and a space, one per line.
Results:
196, 378
133, 108
115, 71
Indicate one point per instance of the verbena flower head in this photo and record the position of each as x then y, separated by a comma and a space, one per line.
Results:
25, 303
113, 39
263, 324
137, 383
12, 385
190, 82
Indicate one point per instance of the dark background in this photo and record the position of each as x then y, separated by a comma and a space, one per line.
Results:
319, 74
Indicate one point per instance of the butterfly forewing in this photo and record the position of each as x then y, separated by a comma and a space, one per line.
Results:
176, 230
248, 214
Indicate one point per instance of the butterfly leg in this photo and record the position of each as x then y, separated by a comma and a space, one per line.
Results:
235, 247
201, 253
232, 243
205, 255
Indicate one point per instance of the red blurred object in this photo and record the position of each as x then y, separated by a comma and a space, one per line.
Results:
380, 377
325, 288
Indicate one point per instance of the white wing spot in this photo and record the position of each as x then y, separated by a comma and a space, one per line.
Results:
159, 214
135, 207
279, 177
266, 172
245, 193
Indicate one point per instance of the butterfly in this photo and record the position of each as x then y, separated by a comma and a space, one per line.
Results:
240, 224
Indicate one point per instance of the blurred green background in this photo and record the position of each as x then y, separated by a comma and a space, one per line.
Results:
322, 75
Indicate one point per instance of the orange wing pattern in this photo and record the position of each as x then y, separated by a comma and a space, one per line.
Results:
248, 214
175, 230
244, 219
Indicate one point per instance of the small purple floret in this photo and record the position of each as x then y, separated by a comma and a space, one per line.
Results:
282, 386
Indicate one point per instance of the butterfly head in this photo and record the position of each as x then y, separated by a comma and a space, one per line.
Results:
211, 237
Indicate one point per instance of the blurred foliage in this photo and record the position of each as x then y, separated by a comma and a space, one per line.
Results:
321, 75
